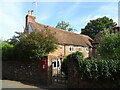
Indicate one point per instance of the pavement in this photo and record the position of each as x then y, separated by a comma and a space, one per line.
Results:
17, 84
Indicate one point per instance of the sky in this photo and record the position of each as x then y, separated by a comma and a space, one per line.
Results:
78, 14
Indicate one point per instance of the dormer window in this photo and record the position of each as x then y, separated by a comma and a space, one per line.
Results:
71, 48
80, 48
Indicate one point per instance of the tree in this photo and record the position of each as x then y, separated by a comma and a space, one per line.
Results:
14, 40
95, 26
33, 46
65, 26
109, 46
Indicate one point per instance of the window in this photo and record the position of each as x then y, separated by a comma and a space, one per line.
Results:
56, 64
80, 48
87, 49
71, 48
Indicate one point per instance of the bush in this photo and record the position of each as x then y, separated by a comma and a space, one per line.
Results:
99, 69
109, 46
34, 46
7, 52
74, 56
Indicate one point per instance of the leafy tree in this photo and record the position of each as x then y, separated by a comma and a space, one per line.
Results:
109, 46
95, 26
65, 26
34, 45
14, 40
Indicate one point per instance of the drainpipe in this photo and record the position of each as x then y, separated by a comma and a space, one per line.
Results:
64, 50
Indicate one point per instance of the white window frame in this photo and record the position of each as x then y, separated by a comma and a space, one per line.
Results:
56, 64
87, 49
80, 47
71, 46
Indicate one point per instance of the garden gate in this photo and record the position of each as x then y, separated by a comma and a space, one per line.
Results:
57, 75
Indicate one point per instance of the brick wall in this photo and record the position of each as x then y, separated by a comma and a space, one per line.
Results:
25, 71
64, 50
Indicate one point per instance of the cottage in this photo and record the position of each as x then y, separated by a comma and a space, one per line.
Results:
68, 42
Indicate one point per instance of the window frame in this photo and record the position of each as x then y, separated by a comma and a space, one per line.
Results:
72, 48
80, 47
87, 49
57, 62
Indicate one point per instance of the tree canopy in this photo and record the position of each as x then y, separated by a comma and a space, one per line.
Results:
109, 46
14, 40
65, 26
95, 26
34, 45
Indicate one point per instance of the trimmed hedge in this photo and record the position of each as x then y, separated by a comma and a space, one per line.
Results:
74, 56
99, 69
95, 69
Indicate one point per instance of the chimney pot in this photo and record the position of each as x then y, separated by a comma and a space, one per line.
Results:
32, 12
29, 12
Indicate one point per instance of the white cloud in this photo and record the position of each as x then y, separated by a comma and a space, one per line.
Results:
10, 19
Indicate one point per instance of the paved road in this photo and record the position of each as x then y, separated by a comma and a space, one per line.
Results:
17, 84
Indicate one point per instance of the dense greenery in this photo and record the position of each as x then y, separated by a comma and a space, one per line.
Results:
95, 69
99, 69
74, 56
95, 26
65, 26
7, 51
29, 47
109, 46
15, 39
34, 45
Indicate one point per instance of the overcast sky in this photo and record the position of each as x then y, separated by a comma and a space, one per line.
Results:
78, 14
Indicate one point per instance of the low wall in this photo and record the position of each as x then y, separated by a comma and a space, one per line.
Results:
74, 80
25, 71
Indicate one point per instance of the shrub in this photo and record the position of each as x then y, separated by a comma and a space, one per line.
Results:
109, 46
74, 56
33, 46
100, 69
7, 52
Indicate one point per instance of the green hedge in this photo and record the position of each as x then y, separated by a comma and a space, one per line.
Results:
7, 52
74, 56
95, 69
99, 69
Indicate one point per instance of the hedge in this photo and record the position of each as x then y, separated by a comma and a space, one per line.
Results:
95, 69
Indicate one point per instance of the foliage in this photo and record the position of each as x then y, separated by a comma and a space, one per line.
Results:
109, 46
15, 39
65, 26
7, 51
74, 56
33, 46
100, 69
95, 26
95, 69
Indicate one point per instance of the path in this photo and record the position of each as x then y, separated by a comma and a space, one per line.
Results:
17, 84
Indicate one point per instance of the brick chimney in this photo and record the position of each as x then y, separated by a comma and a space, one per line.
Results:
29, 18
